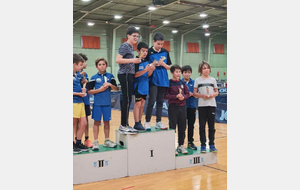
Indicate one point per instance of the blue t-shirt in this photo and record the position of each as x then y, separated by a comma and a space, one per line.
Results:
191, 102
141, 83
77, 88
86, 99
102, 98
160, 74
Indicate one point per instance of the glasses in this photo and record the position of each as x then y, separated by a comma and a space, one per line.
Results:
135, 36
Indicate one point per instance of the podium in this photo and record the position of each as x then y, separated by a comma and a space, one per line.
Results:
107, 163
195, 158
149, 151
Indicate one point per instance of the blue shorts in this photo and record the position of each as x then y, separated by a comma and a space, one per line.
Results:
98, 111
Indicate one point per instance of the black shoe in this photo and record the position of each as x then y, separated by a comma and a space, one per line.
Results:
75, 149
82, 147
192, 146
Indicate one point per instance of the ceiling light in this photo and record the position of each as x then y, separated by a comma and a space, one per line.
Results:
91, 23
207, 34
166, 22
174, 31
205, 26
137, 27
152, 8
118, 16
86, 0
203, 15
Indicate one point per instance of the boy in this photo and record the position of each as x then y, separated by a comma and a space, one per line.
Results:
141, 85
104, 82
206, 89
126, 61
176, 94
191, 105
159, 80
78, 105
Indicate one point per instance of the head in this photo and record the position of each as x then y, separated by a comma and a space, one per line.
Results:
85, 59
204, 68
132, 34
158, 40
175, 71
186, 72
77, 62
101, 64
142, 47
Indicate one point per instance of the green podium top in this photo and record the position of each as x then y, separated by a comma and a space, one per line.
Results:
101, 149
194, 152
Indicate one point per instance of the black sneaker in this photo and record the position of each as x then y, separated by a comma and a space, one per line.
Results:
75, 149
82, 147
192, 146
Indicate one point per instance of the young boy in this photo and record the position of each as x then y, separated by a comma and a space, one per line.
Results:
141, 85
206, 89
126, 61
191, 105
159, 80
176, 94
104, 82
78, 105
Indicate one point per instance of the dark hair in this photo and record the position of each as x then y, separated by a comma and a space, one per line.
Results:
83, 56
174, 67
100, 59
186, 68
158, 36
142, 45
201, 65
131, 29
77, 58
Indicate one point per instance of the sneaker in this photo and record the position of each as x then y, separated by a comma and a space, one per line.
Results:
82, 147
126, 130
88, 143
132, 129
176, 153
181, 149
96, 145
109, 144
147, 126
139, 127
160, 125
192, 146
213, 148
75, 149
203, 149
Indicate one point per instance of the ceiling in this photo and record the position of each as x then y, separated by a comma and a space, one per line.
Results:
183, 15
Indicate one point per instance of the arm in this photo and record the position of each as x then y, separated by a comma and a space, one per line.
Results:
216, 93
140, 73
186, 92
101, 89
121, 60
79, 94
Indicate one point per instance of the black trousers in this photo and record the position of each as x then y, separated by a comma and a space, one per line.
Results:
156, 94
207, 114
191, 118
177, 116
126, 81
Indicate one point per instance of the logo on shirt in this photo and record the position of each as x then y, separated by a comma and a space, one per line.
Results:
141, 67
74, 78
98, 80
181, 86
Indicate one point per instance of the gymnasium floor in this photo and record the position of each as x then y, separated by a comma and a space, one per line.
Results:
210, 177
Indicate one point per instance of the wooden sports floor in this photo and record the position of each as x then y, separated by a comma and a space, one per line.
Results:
209, 177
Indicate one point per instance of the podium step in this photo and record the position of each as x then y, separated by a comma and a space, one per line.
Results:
101, 149
195, 158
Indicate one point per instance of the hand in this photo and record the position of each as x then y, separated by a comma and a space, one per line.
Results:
205, 96
83, 73
191, 94
107, 84
83, 90
136, 60
161, 62
148, 67
82, 94
83, 81
181, 98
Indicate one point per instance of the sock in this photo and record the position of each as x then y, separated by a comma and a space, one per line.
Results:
86, 138
78, 142
106, 139
95, 140
140, 122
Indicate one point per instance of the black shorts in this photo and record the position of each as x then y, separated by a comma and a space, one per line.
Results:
87, 110
139, 96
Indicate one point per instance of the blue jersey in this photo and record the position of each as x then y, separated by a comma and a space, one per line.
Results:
86, 99
160, 74
77, 88
191, 102
102, 98
141, 83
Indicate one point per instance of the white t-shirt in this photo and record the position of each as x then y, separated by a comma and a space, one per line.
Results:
206, 86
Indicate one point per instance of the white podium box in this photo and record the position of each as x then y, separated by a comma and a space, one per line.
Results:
149, 152
195, 158
107, 163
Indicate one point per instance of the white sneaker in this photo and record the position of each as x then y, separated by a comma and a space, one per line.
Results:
96, 145
147, 126
109, 144
182, 150
160, 125
126, 130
